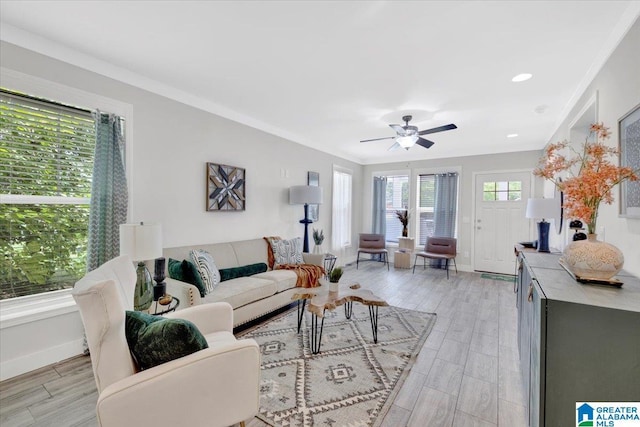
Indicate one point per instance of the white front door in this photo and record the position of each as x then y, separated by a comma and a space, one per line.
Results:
500, 204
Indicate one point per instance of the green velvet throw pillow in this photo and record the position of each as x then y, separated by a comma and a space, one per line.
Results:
154, 340
244, 271
185, 271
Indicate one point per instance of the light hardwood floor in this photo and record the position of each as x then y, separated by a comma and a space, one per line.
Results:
465, 375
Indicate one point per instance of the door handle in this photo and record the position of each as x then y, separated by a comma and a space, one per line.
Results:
530, 294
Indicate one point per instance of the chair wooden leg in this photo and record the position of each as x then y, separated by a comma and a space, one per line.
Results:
386, 258
446, 266
414, 264
242, 424
357, 260
455, 265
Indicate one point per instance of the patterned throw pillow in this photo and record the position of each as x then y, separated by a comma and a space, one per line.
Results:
287, 251
206, 267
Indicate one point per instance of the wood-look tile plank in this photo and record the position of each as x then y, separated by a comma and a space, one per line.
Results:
462, 419
510, 386
23, 399
396, 417
445, 376
485, 344
76, 412
434, 340
424, 361
511, 414
482, 367
17, 418
453, 351
24, 382
478, 398
407, 396
433, 408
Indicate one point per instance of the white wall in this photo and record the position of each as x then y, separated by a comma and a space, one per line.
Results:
617, 87
170, 143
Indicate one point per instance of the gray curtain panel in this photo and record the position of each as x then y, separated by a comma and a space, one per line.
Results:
379, 223
109, 198
444, 218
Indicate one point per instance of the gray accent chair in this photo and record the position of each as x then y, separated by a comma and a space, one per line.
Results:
373, 244
441, 248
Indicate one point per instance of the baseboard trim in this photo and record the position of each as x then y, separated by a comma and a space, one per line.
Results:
45, 357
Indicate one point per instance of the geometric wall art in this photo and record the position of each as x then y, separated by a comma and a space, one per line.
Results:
225, 188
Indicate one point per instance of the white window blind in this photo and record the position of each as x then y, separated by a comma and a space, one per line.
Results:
426, 205
341, 210
397, 198
46, 164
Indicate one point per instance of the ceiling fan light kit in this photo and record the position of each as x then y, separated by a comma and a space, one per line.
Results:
408, 136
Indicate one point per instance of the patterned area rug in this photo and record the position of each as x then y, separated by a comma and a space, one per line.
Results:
352, 381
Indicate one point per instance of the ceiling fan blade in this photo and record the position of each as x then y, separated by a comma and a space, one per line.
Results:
438, 129
424, 142
394, 147
399, 129
378, 139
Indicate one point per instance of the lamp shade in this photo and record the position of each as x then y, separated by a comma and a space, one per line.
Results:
302, 194
141, 242
542, 208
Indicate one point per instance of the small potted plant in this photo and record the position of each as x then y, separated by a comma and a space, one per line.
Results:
318, 238
403, 216
334, 278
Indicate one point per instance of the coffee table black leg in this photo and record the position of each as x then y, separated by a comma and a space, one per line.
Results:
348, 309
373, 315
301, 312
315, 335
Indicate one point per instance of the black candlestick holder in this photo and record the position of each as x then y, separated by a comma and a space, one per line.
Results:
160, 288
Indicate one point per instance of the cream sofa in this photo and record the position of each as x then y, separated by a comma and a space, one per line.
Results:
250, 297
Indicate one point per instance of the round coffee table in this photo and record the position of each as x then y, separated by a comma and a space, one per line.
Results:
322, 298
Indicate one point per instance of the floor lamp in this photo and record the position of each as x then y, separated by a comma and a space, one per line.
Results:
541, 209
305, 195
142, 242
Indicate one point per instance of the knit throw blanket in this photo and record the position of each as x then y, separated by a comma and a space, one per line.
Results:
308, 274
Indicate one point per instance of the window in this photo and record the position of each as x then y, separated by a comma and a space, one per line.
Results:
437, 205
502, 191
426, 204
397, 198
341, 218
46, 165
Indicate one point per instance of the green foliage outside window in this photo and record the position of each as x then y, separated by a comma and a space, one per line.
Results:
46, 150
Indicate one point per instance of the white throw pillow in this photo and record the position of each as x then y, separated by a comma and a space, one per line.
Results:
287, 251
206, 267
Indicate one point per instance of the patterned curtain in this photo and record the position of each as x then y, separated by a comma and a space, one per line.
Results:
109, 196
445, 204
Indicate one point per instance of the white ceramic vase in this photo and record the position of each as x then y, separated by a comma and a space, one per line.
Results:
317, 249
593, 259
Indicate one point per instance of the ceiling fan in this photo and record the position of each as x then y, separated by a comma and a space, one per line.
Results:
407, 136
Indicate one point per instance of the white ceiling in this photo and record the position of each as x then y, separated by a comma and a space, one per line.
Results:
328, 74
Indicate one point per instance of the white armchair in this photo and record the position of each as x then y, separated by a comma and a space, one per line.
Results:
217, 386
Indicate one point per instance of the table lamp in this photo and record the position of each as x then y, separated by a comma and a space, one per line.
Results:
141, 242
305, 195
541, 209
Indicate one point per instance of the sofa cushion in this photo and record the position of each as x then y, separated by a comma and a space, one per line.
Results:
206, 267
287, 251
242, 291
154, 340
284, 279
186, 272
244, 271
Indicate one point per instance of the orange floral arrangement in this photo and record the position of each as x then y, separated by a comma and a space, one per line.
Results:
596, 176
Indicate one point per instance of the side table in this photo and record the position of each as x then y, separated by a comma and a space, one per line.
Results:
164, 309
329, 262
402, 259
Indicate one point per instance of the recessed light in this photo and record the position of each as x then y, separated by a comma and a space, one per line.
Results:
522, 77
512, 135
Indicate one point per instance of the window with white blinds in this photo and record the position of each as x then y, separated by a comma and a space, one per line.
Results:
46, 164
397, 198
426, 207
341, 210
